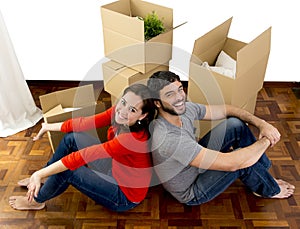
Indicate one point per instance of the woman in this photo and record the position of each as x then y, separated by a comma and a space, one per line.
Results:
115, 174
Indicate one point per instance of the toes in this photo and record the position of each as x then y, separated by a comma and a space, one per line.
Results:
21, 203
290, 186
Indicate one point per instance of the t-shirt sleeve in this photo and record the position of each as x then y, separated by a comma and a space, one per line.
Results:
196, 110
86, 123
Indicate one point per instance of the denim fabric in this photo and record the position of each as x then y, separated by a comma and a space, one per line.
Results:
95, 181
233, 134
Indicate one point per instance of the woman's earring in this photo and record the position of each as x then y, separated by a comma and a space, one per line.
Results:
139, 122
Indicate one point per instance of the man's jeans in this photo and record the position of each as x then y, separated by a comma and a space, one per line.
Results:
233, 134
98, 185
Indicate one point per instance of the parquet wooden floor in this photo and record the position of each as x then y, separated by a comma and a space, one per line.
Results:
235, 208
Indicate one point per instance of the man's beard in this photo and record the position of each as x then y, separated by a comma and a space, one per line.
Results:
170, 110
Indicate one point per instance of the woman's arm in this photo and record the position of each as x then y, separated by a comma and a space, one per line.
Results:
47, 127
35, 179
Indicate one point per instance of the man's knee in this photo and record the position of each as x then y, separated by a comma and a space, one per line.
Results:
233, 122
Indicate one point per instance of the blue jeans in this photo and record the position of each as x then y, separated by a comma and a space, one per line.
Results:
232, 134
94, 180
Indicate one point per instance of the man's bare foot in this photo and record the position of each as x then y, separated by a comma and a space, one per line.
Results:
22, 203
286, 189
24, 182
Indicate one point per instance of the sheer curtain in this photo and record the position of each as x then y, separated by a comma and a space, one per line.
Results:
17, 108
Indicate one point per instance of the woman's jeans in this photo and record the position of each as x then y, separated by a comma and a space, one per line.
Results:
232, 134
96, 183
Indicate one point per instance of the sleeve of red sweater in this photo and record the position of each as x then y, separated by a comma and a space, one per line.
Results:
123, 144
86, 123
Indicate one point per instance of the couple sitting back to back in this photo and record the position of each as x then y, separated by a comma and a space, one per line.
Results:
117, 173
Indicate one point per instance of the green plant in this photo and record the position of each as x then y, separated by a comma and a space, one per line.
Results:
153, 26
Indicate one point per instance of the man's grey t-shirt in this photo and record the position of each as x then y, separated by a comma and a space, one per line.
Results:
173, 148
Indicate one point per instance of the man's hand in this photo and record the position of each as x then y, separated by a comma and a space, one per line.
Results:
269, 131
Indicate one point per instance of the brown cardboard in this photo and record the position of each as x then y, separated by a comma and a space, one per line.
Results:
123, 34
117, 77
82, 99
209, 87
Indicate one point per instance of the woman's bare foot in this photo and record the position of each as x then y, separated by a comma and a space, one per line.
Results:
22, 203
286, 189
24, 182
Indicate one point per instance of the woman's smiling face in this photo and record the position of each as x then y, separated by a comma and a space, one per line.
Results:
129, 109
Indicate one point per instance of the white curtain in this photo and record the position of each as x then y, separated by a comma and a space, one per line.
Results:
17, 108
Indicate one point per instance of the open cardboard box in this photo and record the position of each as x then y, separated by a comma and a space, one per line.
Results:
123, 34
209, 87
62, 105
117, 77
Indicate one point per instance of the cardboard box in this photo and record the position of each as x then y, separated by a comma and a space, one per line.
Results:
123, 34
209, 87
117, 77
62, 105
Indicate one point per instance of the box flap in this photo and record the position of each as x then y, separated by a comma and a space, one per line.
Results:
73, 97
207, 47
232, 47
257, 49
56, 110
83, 112
121, 17
252, 63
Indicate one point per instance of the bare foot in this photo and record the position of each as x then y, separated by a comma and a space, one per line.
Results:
22, 203
24, 182
286, 189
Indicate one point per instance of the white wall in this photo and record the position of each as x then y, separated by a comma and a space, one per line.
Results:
62, 39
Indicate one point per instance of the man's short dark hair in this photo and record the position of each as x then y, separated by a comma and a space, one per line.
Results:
159, 80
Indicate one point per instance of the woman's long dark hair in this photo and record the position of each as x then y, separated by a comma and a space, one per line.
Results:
148, 106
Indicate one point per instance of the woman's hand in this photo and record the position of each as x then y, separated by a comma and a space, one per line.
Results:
42, 131
34, 186
269, 131
47, 127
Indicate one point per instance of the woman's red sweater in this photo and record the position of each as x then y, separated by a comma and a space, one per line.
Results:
131, 161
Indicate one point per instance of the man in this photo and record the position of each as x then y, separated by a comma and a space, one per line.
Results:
196, 172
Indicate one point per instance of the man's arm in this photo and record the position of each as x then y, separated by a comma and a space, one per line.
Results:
238, 159
215, 112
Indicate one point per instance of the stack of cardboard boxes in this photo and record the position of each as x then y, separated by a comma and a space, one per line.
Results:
132, 59
209, 87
